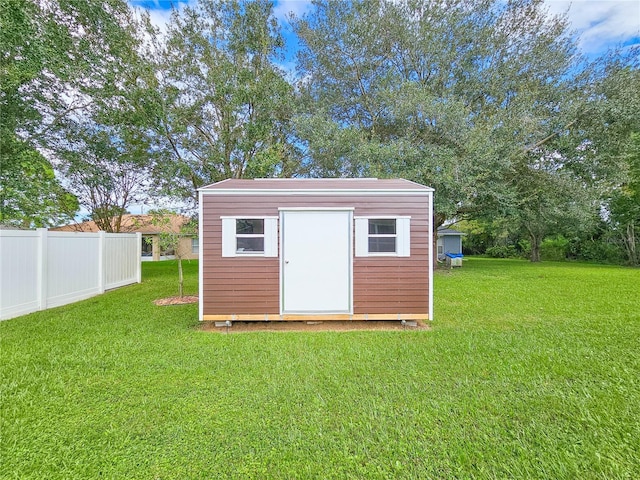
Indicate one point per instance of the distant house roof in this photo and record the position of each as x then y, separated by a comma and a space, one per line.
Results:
442, 231
317, 184
130, 224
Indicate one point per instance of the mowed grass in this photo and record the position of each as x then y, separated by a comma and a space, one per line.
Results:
530, 371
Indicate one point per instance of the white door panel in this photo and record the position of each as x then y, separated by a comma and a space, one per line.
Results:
316, 256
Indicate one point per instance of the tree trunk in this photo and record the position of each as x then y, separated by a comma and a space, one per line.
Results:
535, 247
180, 278
629, 240
536, 234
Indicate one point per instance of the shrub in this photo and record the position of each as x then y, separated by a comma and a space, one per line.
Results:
601, 251
524, 247
554, 248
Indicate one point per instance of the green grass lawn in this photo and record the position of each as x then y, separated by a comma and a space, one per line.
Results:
530, 371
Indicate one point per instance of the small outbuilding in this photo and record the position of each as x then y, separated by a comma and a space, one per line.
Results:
316, 249
449, 241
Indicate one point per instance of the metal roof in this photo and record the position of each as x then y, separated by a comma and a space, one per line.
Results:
449, 231
318, 184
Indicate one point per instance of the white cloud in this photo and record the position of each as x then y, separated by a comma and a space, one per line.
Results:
160, 10
283, 8
601, 23
160, 18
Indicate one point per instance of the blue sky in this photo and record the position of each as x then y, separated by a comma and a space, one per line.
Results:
600, 23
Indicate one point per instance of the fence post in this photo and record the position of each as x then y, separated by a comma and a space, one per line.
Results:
101, 266
139, 259
41, 281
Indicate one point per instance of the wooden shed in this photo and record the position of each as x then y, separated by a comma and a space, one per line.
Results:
316, 249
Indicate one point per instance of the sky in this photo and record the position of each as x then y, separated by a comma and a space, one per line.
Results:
600, 24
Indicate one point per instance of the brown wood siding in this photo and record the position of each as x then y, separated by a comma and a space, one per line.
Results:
251, 285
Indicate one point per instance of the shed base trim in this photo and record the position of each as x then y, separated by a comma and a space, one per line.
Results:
274, 317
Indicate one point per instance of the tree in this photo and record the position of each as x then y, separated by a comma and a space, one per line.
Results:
106, 180
468, 97
624, 205
550, 200
108, 177
30, 193
612, 127
75, 87
224, 105
105, 149
170, 240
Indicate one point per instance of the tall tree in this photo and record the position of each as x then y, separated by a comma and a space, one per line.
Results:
30, 193
615, 133
467, 97
106, 173
624, 205
105, 148
225, 105
69, 78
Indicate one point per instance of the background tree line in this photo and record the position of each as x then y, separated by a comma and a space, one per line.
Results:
491, 103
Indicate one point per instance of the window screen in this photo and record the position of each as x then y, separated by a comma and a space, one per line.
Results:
382, 235
249, 235
385, 236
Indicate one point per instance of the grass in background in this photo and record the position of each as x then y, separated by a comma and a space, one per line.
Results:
530, 371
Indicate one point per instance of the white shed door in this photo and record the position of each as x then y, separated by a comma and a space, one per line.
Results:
316, 262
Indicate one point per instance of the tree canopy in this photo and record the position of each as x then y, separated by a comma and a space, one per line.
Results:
224, 105
30, 192
484, 100
68, 69
489, 102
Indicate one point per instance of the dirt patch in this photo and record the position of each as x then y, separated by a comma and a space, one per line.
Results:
177, 300
328, 326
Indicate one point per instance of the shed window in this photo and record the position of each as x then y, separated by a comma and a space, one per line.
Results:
249, 235
382, 235
387, 236
195, 245
242, 236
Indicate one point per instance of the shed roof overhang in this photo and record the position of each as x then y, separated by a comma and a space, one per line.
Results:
446, 232
316, 186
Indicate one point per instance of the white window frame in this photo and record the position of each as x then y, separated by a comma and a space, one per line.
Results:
250, 235
383, 235
195, 245
230, 237
402, 236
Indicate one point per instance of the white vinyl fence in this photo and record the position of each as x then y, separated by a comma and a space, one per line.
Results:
41, 269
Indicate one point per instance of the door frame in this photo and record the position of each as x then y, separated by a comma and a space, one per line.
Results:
282, 211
